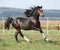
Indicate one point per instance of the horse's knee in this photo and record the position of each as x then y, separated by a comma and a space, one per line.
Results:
41, 31
21, 35
16, 33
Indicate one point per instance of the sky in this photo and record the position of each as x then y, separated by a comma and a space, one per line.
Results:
25, 4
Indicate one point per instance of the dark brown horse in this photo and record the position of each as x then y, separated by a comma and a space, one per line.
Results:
30, 23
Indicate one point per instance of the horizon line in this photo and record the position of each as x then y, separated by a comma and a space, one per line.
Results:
26, 8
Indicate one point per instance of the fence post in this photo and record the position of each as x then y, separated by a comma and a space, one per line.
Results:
3, 24
47, 25
58, 26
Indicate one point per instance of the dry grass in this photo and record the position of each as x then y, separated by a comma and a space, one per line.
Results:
52, 24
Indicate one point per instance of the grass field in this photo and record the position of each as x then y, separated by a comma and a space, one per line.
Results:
7, 40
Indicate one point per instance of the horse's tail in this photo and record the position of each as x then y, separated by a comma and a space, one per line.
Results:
8, 22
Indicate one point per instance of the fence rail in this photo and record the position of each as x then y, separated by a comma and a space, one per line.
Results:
46, 24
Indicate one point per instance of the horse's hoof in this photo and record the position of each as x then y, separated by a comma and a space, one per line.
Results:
17, 41
50, 41
30, 41
46, 39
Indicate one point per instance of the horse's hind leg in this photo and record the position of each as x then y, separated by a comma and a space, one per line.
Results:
23, 36
16, 34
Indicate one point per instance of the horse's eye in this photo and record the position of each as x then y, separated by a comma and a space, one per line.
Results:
42, 10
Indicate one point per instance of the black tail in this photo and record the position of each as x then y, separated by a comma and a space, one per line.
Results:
8, 22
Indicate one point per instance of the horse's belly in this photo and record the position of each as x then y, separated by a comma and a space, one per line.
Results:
26, 26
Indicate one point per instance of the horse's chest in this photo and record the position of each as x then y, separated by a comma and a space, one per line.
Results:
34, 21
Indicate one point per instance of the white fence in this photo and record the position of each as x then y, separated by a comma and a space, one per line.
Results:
47, 24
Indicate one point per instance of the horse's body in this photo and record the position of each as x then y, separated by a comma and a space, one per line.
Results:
26, 23
30, 23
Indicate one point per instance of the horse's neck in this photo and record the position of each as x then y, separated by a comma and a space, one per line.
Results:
37, 18
34, 18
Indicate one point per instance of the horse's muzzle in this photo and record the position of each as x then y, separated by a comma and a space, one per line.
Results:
43, 15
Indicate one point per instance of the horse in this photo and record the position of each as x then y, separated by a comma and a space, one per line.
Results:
30, 23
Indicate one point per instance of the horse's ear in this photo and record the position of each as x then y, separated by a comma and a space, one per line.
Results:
41, 6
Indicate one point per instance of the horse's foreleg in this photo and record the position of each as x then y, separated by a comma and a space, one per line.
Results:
24, 37
16, 34
43, 34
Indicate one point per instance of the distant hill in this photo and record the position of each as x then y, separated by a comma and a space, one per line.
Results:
13, 12
7, 12
52, 13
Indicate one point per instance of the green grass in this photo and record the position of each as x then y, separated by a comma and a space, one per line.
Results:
7, 40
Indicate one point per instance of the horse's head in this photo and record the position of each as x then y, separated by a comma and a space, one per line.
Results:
8, 22
39, 11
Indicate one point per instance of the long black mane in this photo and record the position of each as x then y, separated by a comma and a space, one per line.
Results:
30, 11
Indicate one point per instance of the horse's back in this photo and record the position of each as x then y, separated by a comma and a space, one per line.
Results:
23, 23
